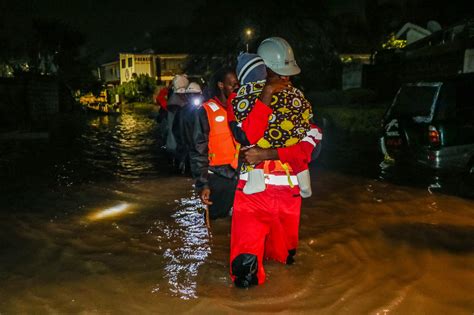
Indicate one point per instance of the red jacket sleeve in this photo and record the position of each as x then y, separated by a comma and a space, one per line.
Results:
299, 155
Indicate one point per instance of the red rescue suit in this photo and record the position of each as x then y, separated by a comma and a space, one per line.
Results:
265, 225
162, 98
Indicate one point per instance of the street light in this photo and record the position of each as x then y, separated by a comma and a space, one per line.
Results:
248, 34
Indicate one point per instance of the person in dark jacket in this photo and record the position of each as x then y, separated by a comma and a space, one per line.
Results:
215, 153
173, 139
187, 117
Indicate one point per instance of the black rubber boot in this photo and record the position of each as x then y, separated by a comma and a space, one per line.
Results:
244, 268
290, 260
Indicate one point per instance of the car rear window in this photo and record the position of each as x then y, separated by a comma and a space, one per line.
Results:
415, 101
456, 100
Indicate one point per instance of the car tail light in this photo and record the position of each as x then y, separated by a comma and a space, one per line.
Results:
433, 136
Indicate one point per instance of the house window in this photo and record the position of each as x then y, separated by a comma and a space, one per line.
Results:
130, 62
123, 63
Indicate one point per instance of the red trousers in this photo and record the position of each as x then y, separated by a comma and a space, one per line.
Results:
265, 224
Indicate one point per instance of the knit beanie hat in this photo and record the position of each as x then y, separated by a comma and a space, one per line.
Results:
180, 83
250, 68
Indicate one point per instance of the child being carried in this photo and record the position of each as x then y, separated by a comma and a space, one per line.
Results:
286, 126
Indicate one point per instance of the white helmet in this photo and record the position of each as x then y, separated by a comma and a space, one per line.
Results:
193, 87
180, 82
278, 56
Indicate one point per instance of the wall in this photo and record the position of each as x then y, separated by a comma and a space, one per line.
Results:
125, 72
144, 64
163, 66
141, 64
110, 72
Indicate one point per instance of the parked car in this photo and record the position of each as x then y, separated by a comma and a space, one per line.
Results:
431, 123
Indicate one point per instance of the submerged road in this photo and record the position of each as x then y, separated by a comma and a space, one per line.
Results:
94, 221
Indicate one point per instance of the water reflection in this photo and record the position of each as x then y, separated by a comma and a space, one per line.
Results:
418, 177
190, 239
109, 212
125, 147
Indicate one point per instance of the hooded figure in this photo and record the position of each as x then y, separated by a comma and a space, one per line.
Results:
176, 102
187, 117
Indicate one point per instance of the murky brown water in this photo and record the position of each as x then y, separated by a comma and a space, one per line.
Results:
103, 228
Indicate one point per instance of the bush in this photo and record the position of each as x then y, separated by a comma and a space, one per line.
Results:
353, 120
354, 97
140, 89
361, 97
328, 98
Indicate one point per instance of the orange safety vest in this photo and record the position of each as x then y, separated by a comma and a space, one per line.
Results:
222, 147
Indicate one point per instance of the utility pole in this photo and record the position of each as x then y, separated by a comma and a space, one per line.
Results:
248, 35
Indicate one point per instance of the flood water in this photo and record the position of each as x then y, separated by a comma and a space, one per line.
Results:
93, 221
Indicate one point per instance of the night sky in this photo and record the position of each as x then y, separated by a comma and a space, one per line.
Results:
114, 26
110, 26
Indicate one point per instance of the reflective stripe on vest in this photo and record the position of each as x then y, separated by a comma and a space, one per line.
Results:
280, 175
277, 180
280, 167
222, 147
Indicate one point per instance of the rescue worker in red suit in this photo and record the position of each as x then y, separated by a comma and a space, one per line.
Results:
161, 98
265, 224
214, 155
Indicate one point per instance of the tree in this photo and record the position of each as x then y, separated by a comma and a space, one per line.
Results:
53, 47
140, 88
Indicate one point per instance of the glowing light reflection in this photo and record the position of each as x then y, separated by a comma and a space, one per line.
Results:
110, 212
183, 262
